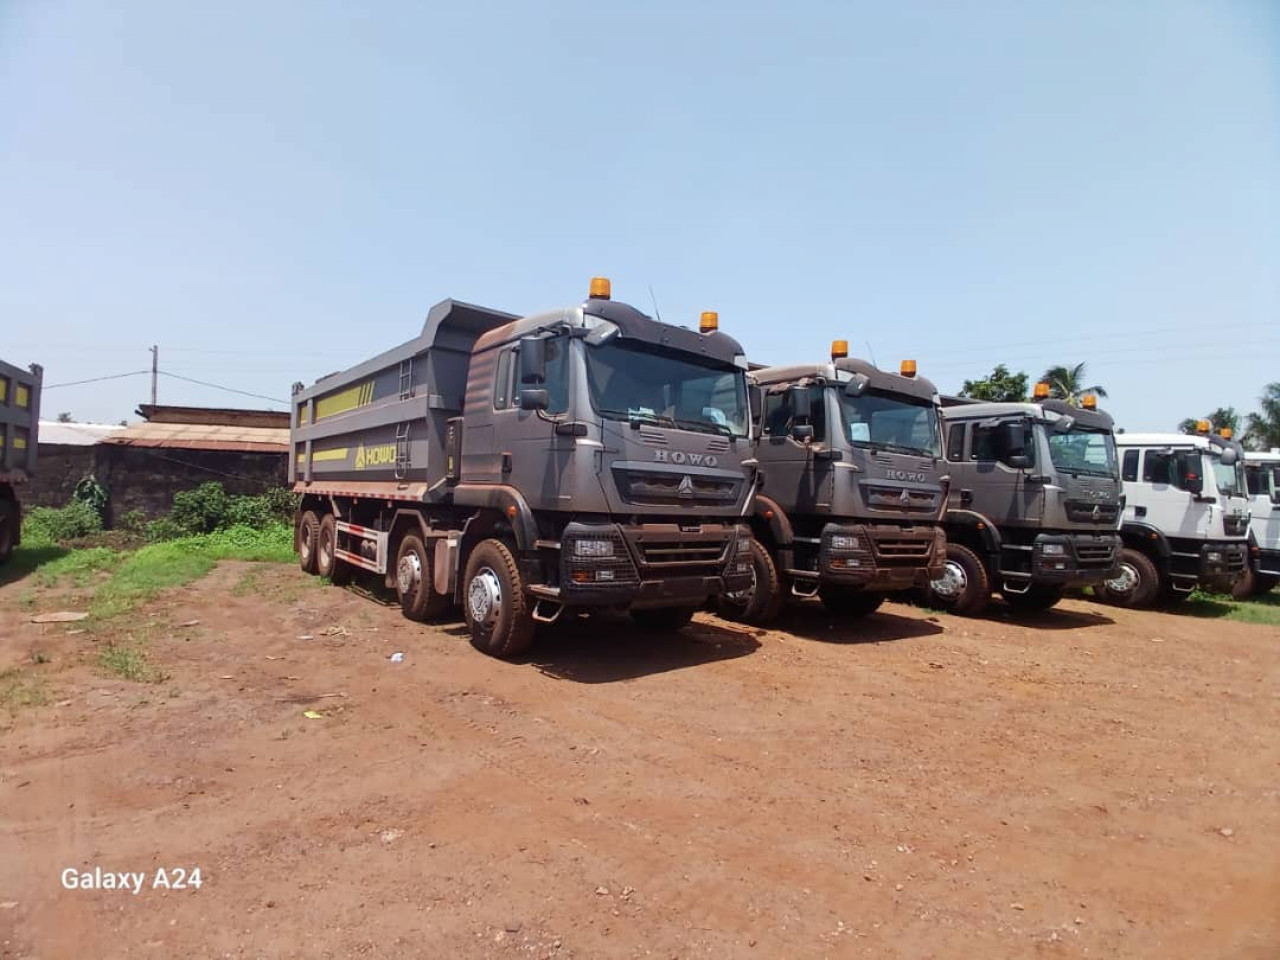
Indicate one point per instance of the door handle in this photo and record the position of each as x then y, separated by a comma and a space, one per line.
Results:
966, 497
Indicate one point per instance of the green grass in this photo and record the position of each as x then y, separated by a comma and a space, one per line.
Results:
129, 661
160, 566
17, 691
1263, 608
28, 558
79, 566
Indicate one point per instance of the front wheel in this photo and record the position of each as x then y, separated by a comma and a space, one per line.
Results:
1136, 585
848, 602
494, 604
762, 601
964, 587
414, 586
663, 619
1036, 598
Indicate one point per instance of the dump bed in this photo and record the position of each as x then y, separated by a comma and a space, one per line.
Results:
381, 426
19, 421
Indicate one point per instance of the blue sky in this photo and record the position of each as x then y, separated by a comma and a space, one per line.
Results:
274, 191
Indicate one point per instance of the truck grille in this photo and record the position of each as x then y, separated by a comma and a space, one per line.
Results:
901, 499
1094, 554
671, 553
1082, 511
892, 551
638, 486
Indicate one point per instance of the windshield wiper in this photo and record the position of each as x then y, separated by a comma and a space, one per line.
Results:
901, 448
638, 416
706, 425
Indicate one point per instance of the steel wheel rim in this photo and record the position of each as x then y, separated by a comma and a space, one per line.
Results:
743, 598
484, 597
1126, 581
953, 582
306, 542
408, 573
326, 549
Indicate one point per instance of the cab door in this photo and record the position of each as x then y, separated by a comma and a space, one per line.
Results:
1003, 454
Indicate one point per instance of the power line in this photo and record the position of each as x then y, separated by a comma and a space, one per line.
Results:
76, 383
218, 386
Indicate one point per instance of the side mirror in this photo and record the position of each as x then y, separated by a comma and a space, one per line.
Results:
1189, 477
1018, 460
533, 362
801, 401
755, 398
1229, 457
1013, 443
857, 385
534, 398
802, 432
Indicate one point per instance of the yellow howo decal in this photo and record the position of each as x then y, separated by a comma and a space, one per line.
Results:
380, 456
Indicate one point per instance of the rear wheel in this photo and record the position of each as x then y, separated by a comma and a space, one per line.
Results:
1035, 599
663, 619
848, 601
761, 602
414, 582
327, 562
495, 606
308, 535
1136, 585
964, 587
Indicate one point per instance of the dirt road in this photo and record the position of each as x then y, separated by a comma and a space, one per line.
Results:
1095, 782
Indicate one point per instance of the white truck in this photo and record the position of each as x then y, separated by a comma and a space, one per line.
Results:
1186, 517
1262, 474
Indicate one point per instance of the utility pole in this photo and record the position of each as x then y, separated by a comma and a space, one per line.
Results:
155, 368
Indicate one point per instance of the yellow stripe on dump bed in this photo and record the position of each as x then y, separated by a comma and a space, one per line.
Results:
323, 456
352, 398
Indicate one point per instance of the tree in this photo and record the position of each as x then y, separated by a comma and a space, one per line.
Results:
999, 384
1067, 383
1263, 430
64, 418
1222, 417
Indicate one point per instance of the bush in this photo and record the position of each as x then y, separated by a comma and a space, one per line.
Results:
54, 524
208, 508
201, 510
92, 493
133, 521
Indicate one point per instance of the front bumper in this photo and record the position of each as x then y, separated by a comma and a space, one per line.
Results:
884, 557
1222, 563
1074, 559
652, 564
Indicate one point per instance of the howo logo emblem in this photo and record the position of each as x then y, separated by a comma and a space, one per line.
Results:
1097, 513
692, 459
905, 498
686, 487
905, 475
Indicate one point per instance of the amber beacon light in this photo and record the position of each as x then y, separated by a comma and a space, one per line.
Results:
908, 368
709, 322
1226, 433
839, 349
1042, 391
1089, 402
600, 288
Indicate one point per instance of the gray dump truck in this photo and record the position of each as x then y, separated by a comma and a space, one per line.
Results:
585, 458
19, 423
1034, 505
851, 492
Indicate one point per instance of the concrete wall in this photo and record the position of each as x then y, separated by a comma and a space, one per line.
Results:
146, 478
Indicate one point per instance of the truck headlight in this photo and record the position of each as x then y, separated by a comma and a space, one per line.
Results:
593, 548
744, 545
1052, 549
1213, 556
843, 541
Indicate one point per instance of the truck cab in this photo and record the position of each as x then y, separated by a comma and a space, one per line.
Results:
1262, 477
851, 487
582, 458
1034, 504
1186, 517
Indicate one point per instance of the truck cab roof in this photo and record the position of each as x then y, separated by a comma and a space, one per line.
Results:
885, 380
1195, 441
957, 408
1262, 456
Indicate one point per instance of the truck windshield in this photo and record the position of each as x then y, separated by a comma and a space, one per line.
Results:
629, 382
1229, 480
1084, 451
882, 421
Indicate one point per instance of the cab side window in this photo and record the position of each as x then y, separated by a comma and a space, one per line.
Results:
986, 444
955, 443
1129, 471
1159, 468
1257, 481
778, 415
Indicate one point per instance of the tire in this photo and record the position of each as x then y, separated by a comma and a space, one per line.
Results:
327, 562
1138, 584
964, 587
308, 535
8, 530
494, 604
1035, 600
663, 619
849, 602
1263, 583
1246, 586
763, 601
414, 584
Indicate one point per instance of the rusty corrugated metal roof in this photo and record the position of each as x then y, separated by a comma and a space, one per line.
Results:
197, 436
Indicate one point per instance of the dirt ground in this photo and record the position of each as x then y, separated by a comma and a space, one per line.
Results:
1093, 782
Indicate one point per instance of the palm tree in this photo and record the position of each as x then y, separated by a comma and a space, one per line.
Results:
1066, 383
1264, 427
